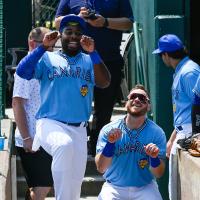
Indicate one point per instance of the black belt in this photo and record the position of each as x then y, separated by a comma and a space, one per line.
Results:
74, 124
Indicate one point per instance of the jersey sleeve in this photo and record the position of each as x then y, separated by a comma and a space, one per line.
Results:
21, 87
162, 144
102, 140
189, 80
196, 88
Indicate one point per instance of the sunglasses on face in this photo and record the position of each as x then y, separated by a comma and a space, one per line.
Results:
143, 99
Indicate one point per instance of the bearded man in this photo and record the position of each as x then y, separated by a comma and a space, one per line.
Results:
131, 152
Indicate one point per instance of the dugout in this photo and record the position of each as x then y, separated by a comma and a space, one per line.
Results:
152, 20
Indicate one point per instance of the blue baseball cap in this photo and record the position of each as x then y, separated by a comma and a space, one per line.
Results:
168, 43
72, 20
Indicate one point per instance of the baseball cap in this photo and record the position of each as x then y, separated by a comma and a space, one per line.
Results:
168, 43
72, 20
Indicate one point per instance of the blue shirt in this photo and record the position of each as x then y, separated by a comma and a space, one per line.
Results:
66, 86
185, 77
130, 164
107, 40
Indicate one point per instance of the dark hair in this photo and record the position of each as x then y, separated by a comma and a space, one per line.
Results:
141, 87
179, 54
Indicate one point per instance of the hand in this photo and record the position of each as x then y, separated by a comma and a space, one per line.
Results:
50, 39
99, 22
114, 135
83, 12
87, 43
27, 145
152, 150
169, 147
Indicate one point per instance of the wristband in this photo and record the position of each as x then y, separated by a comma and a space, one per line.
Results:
155, 162
27, 138
95, 57
109, 149
106, 24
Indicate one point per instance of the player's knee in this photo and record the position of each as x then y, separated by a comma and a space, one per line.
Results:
65, 149
62, 157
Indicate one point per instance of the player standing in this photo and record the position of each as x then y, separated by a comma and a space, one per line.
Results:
67, 78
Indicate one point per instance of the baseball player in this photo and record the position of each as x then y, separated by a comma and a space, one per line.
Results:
131, 152
196, 108
67, 78
175, 55
105, 27
25, 103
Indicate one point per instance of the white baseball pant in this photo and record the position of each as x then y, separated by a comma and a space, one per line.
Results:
173, 162
68, 147
111, 192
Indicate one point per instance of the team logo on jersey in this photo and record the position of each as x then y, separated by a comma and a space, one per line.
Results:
84, 90
143, 163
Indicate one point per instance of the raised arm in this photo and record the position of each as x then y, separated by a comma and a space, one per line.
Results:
101, 73
121, 24
104, 159
157, 165
26, 67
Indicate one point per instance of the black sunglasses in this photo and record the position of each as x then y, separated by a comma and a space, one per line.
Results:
143, 99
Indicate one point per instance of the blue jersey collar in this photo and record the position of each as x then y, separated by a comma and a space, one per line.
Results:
181, 63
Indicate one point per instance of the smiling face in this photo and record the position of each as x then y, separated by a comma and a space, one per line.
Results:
138, 103
70, 39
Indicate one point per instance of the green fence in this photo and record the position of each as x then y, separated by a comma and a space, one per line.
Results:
44, 13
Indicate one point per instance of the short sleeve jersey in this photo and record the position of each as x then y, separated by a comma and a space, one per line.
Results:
66, 86
185, 77
130, 164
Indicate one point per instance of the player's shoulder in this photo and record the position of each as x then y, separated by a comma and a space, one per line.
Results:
113, 124
51, 53
190, 67
85, 55
152, 125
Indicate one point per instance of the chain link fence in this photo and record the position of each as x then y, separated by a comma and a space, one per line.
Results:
44, 13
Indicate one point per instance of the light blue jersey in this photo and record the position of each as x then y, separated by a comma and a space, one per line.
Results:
130, 163
70, 81
196, 89
185, 77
